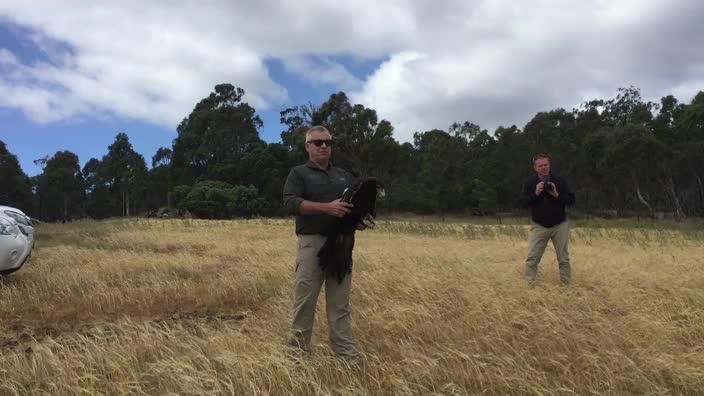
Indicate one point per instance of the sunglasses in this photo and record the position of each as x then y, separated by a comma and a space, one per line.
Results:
319, 142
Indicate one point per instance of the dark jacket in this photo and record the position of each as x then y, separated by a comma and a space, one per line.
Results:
544, 208
309, 182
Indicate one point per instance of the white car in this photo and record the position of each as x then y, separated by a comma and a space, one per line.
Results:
15, 247
23, 221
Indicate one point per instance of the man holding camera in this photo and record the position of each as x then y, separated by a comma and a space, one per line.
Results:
547, 195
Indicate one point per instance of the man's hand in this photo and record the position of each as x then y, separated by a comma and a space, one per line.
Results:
338, 209
553, 191
539, 188
360, 227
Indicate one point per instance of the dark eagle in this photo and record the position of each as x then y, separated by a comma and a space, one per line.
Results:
336, 254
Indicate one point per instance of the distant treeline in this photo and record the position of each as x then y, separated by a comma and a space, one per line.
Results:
620, 155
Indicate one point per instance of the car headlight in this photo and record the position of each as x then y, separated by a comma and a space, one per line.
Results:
19, 218
7, 228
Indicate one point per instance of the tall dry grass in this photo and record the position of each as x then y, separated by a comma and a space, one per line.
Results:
202, 307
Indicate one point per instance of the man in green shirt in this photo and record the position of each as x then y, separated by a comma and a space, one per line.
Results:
311, 193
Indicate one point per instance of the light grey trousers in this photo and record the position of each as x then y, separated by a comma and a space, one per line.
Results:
308, 282
538, 240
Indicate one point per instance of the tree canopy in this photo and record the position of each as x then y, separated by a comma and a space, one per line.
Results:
620, 154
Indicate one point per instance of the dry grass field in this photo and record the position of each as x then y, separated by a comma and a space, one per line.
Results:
202, 307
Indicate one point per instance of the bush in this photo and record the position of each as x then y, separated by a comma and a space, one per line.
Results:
219, 200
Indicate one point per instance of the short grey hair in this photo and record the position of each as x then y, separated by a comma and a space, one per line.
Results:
317, 128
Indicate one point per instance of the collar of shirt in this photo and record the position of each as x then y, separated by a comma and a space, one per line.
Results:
313, 165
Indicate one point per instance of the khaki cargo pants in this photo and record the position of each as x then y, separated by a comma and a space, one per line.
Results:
308, 282
538, 240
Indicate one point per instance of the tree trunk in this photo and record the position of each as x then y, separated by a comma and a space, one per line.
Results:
643, 201
41, 207
65, 209
675, 200
640, 196
701, 191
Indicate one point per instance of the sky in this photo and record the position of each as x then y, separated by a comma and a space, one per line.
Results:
73, 74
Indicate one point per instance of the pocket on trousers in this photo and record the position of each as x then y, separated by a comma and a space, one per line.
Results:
304, 243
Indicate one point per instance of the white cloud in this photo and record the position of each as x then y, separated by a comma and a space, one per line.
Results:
143, 62
489, 62
501, 62
319, 70
7, 58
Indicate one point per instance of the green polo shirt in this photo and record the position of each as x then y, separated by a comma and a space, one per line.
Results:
309, 182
